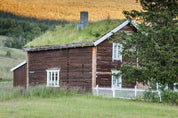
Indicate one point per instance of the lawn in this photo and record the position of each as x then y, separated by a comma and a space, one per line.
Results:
81, 106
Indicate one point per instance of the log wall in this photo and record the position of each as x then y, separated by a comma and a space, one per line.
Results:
75, 66
19, 76
105, 63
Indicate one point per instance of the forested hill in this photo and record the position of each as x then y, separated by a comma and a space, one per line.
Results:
21, 30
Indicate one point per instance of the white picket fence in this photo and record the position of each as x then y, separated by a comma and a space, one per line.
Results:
126, 93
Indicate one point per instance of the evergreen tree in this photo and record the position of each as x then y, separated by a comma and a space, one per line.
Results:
154, 46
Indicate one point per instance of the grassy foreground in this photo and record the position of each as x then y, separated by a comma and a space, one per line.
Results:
84, 107
73, 105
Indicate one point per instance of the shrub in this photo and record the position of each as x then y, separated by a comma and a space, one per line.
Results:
151, 96
63, 23
169, 96
8, 54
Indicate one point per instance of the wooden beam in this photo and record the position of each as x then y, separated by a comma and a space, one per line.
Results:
94, 52
104, 73
27, 78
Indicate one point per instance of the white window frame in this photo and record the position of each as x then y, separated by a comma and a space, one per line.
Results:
117, 55
118, 83
53, 77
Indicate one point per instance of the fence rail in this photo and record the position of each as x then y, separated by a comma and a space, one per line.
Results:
126, 93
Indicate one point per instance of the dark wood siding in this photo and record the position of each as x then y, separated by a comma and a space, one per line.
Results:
20, 76
104, 60
75, 66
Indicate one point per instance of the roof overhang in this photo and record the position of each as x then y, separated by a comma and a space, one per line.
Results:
54, 47
106, 36
21, 64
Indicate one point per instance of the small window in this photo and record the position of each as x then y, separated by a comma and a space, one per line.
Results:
117, 49
116, 81
176, 86
53, 77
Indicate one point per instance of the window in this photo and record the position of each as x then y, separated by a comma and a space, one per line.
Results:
117, 49
53, 77
116, 81
175, 86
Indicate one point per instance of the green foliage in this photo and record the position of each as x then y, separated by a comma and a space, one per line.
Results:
8, 53
20, 32
151, 96
154, 44
169, 96
63, 23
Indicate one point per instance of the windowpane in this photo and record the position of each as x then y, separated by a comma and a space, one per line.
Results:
56, 78
50, 78
117, 48
116, 81
118, 51
53, 78
115, 51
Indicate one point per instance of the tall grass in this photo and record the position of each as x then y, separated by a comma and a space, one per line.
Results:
7, 92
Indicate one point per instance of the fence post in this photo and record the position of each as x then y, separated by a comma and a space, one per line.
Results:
135, 91
157, 87
159, 93
113, 90
97, 90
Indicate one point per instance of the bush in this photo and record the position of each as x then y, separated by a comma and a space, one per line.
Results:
8, 54
169, 96
151, 96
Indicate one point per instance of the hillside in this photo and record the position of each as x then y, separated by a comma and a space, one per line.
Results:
69, 9
7, 61
69, 34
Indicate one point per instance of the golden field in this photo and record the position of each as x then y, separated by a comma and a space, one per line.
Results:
69, 9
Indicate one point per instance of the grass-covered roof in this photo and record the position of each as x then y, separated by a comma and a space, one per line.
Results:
69, 34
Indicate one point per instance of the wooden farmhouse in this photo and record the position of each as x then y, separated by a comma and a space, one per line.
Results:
81, 62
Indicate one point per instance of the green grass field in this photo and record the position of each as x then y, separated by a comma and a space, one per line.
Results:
7, 62
81, 106
84, 107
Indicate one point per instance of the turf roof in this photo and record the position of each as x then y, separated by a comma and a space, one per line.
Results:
69, 33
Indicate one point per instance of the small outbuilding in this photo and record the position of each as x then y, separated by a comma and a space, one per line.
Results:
19, 74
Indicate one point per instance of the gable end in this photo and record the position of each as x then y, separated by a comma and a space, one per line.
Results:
115, 30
